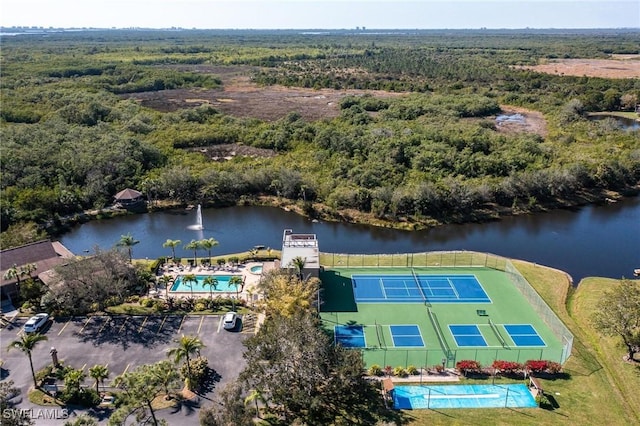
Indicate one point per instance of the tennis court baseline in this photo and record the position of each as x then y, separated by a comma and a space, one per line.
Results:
406, 335
350, 336
412, 288
524, 335
467, 335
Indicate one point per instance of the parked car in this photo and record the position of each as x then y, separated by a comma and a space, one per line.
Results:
35, 323
229, 320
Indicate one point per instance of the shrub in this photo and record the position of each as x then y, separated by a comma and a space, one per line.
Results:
199, 372
388, 370
87, 397
468, 366
543, 401
160, 306
535, 366
375, 370
133, 299
399, 371
507, 367
554, 367
439, 368
147, 303
44, 373
412, 370
199, 307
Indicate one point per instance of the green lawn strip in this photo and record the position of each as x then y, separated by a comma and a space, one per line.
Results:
625, 376
38, 397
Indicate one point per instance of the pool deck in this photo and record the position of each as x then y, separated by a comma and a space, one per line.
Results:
249, 278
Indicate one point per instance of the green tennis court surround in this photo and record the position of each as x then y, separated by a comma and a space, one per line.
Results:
483, 314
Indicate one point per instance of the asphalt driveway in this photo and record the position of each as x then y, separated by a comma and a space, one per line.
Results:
124, 342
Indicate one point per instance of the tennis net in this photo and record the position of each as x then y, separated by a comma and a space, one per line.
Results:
497, 333
415, 278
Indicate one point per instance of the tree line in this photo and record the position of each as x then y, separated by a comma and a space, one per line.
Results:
434, 153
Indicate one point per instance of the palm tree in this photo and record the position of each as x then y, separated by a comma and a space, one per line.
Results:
127, 241
187, 346
166, 279
194, 245
13, 273
250, 294
236, 281
26, 344
28, 269
72, 381
208, 244
190, 280
211, 282
99, 373
173, 244
298, 263
256, 395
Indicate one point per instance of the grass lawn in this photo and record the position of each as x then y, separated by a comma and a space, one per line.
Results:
601, 388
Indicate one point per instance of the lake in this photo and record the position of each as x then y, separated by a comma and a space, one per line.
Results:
589, 241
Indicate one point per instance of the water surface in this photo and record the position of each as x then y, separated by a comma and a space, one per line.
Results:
590, 241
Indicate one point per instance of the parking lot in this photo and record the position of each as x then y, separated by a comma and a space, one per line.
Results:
124, 342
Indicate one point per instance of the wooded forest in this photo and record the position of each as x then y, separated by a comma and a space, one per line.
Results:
413, 141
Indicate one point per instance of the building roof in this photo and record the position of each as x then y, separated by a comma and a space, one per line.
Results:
128, 194
300, 245
45, 254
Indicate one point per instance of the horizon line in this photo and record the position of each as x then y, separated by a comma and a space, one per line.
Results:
363, 29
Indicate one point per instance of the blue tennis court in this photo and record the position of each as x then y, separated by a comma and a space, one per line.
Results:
467, 335
524, 335
418, 288
406, 335
350, 336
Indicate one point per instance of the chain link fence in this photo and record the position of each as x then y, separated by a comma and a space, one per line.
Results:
458, 259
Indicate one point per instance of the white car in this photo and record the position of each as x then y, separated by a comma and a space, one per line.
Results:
229, 320
35, 323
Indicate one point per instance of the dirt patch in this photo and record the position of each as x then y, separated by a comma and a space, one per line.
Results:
619, 66
240, 97
527, 121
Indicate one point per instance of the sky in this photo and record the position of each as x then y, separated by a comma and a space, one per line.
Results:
321, 14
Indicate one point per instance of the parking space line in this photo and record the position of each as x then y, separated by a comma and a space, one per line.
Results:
83, 367
125, 369
123, 324
219, 324
162, 324
142, 325
85, 324
63, 327
200, 326
108, 320
181, 323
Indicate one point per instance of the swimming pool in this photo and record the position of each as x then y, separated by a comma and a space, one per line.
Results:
257, 269
463, 396
198, 287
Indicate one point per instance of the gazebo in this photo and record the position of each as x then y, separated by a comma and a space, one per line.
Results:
128, 197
